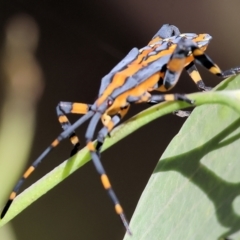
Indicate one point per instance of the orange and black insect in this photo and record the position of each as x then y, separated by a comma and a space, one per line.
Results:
156, 67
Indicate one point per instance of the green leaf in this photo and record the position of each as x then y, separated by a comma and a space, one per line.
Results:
194, 191
57, 175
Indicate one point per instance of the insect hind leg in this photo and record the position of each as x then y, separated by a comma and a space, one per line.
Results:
35, 164
195, 75
105, 181
64, 108
94, 151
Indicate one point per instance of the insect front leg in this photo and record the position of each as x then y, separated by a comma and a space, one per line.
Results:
206, 62
172, 71
64, 108
173, 68
195, 75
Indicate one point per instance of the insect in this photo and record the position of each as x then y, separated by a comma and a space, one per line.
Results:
155, 67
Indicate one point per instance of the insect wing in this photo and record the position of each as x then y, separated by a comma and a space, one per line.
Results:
142, 75
152, 68
106, 80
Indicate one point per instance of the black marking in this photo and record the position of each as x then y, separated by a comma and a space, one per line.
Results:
181, 97
4, 211
204, 61
72, 135
75, 149
99, 145
190, 67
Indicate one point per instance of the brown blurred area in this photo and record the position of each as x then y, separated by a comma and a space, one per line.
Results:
80, 41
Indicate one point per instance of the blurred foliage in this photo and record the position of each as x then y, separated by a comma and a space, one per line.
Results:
22, 88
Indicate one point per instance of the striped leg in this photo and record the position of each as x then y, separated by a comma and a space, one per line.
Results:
184, 49
209, 64
174, 67
154, 99
157, 98
64, 108
94, 151
194, 74
173, 70
35, 164
112, 122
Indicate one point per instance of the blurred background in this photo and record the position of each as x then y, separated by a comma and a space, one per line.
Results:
78, 43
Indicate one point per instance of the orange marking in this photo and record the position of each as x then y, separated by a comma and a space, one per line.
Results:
55, 143
176, 64
169, 97
156, 39
195, 76
141, 89
146, 97
74, 140
110, 125
119, 78
118, 209
12, 196
162, 89
80, 108
215, 70
161, 54
143, 53
197, 52
105, 181
105, 119
200, 37
204, 48
188, 60
124, 111
91, 146
150, 89
62, 119
29, 171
